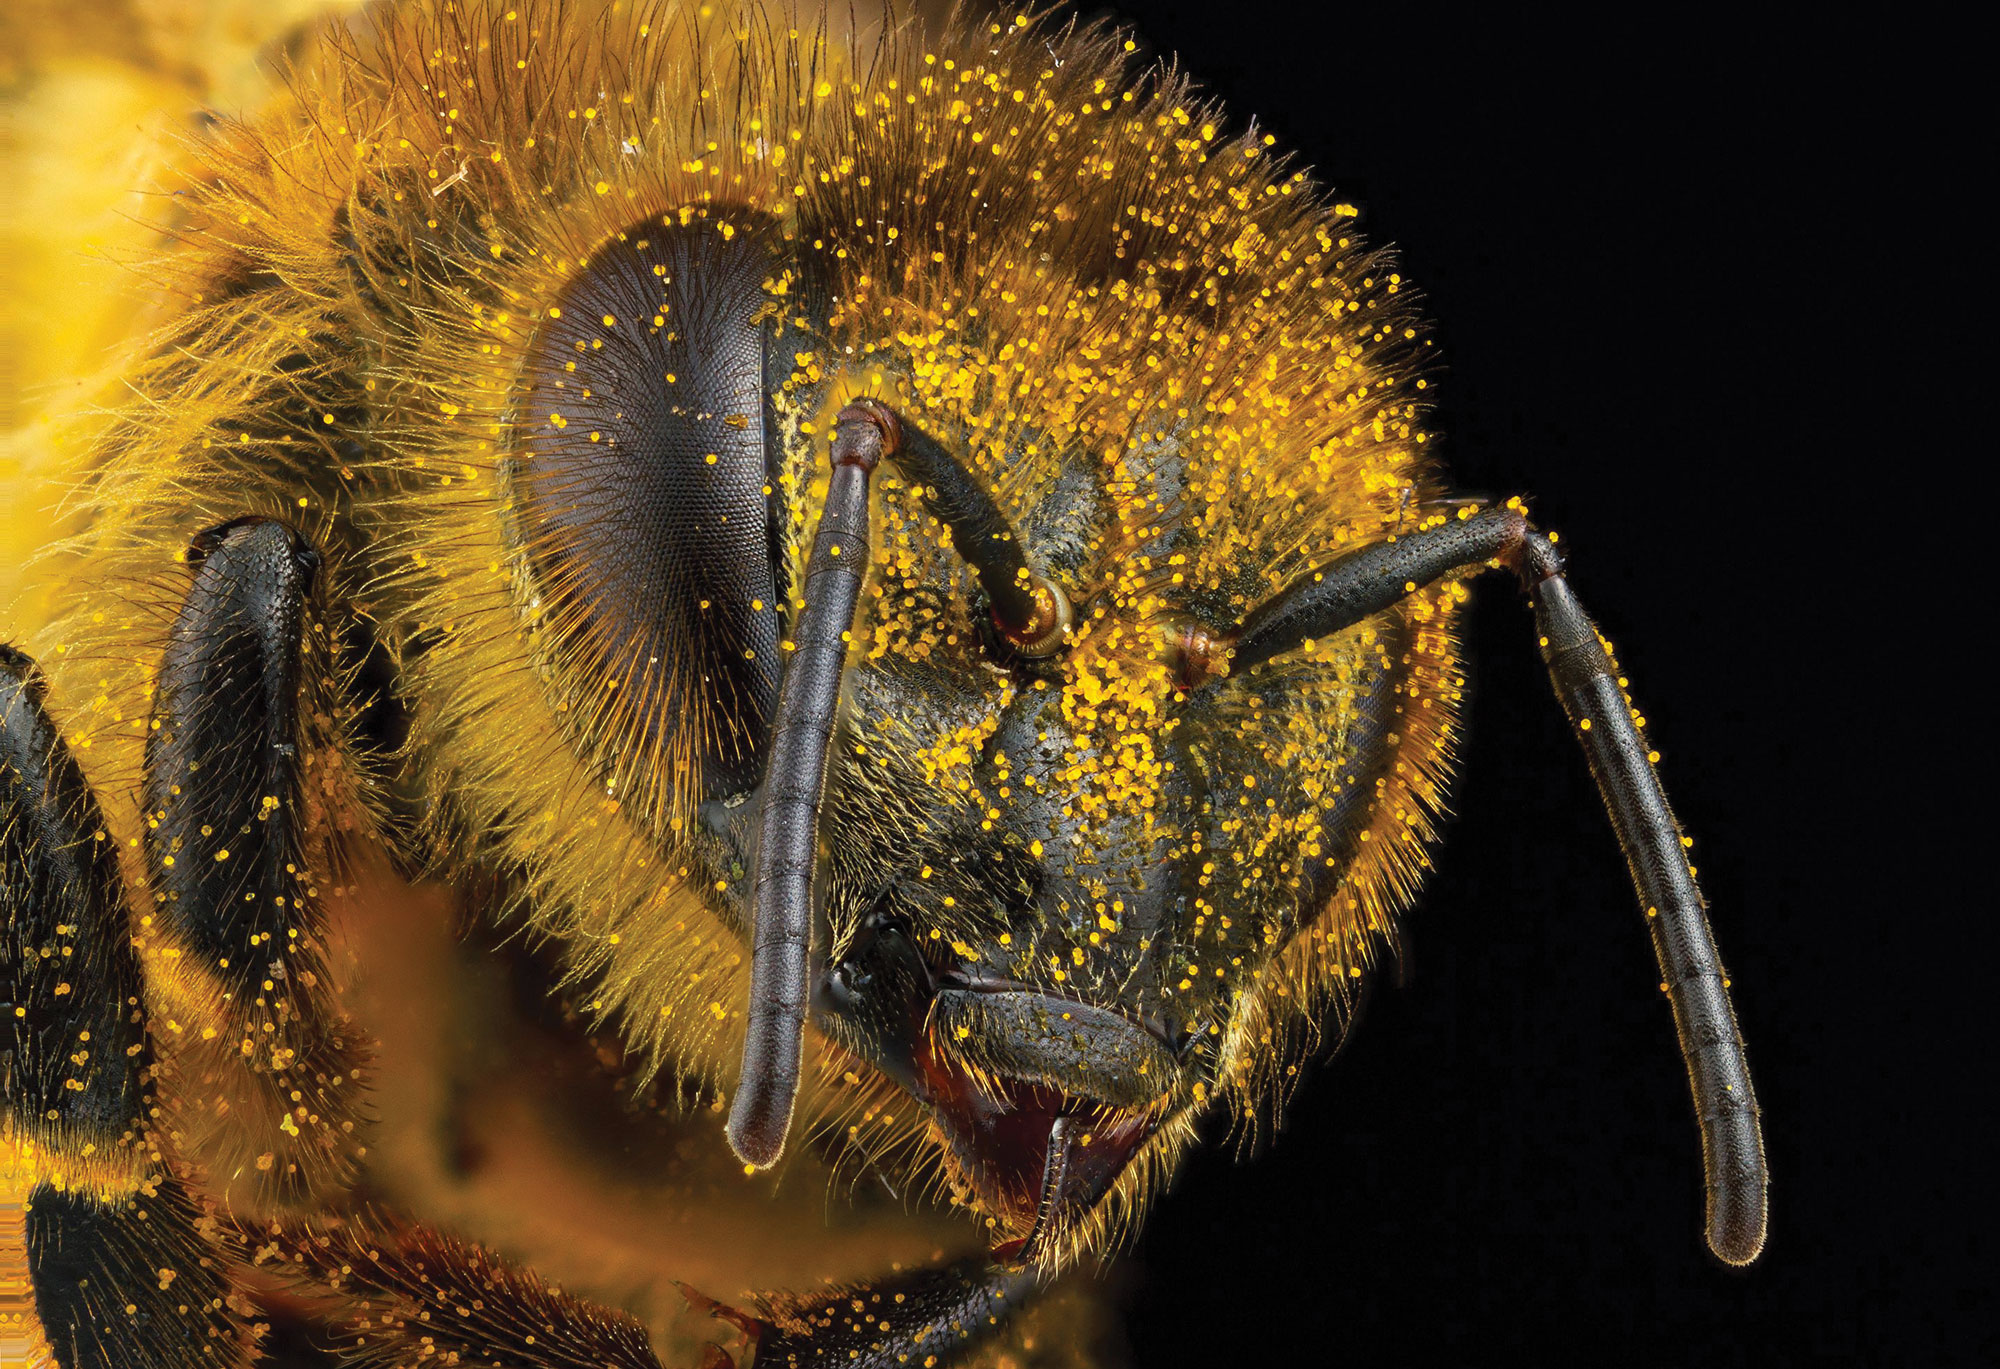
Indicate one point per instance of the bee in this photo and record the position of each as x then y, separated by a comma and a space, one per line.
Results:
895, 577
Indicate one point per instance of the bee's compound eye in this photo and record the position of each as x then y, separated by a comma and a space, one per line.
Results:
644, 468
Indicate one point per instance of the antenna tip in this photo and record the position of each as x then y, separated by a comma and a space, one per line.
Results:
1736, 1229
758, 1122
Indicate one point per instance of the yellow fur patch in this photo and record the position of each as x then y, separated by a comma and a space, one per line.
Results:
1067, 260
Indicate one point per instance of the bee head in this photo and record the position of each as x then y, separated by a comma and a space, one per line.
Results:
1018, 837
1039, 848
1023, 884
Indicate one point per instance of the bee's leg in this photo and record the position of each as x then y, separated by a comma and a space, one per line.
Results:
924, 1316
115, 1252
1592, 692
245, 792
374, 1290
401, 1291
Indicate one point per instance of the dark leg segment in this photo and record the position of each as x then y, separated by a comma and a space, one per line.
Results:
239, 799
72, 1038
402, 1294
120, 1274
127, 1281
1372, 579
929, 1317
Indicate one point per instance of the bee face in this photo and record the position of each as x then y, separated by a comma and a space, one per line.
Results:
1069, 900
561, 357
1057, 892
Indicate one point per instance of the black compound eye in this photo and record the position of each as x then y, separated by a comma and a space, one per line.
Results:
644, 478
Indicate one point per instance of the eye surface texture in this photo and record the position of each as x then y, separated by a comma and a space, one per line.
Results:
645, 477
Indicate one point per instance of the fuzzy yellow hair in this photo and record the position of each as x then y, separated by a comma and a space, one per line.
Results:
1030, 242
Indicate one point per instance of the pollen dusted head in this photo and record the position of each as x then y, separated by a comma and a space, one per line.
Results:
577, 335
1175, 380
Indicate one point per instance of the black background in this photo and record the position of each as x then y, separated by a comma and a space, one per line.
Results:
1672, 312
